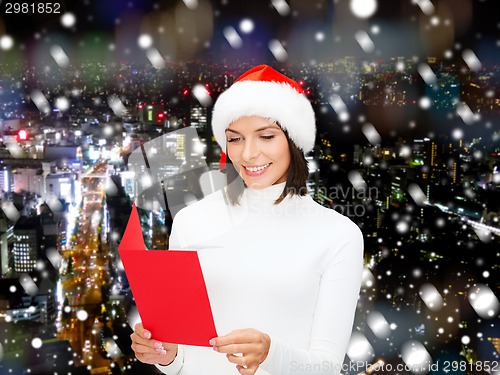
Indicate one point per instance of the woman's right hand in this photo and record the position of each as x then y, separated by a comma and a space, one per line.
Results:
148, 350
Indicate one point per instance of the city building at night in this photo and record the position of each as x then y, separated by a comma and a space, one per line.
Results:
27, 244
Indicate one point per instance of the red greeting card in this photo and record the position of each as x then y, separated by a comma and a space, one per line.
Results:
168, 288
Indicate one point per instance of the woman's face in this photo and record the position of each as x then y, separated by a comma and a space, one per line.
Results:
259, 151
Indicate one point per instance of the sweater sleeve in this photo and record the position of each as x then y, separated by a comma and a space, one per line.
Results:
175, 367
333, 316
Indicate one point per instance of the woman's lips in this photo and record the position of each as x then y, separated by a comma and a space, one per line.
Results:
256, 170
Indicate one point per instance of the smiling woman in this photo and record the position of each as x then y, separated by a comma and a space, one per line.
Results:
259, 151
282, 272
290, 167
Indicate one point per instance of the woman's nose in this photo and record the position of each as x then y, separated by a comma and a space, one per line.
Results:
250, 150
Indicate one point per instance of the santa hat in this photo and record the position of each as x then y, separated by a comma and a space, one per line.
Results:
263, 91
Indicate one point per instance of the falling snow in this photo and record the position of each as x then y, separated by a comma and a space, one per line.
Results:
378, 324
247, 26
6, 42
427, 73
40, 101
202, 95
416, 356
36, 343
364, 41
28, 284
363, 8
68, 20
417, 194
116, 105
155, 58
431, 297
62, 103
278, 50
425, 102
371, 134
82, 315
59, 56
359, 348
281, 7
232, 37
339, 107
466, 114
426, 6
484, 301
471, 60
145, 41
357, 180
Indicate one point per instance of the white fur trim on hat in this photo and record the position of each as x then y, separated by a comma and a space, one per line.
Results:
273, 100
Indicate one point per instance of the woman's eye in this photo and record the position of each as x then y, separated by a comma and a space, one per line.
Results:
267, 136
233, 139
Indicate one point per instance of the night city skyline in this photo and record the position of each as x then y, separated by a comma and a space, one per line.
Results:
108, 104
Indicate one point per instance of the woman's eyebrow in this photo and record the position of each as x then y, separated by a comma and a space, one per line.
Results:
268, 127
258, 130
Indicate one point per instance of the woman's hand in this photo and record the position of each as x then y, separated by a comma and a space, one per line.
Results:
247, 348
151, 351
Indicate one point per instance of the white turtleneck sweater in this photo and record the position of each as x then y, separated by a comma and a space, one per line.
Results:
291, 270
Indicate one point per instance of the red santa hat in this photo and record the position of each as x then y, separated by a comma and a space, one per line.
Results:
263, 91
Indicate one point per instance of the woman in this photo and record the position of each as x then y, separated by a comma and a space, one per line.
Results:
282, 272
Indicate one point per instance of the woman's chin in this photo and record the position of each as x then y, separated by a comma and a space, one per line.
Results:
257, 185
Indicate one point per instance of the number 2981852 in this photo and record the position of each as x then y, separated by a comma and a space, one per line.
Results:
31, 8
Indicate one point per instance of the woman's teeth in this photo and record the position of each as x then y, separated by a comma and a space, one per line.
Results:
256, 169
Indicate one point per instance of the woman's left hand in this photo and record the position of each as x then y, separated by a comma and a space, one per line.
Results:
247, 348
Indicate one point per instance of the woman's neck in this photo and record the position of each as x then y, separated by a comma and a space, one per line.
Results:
265, 195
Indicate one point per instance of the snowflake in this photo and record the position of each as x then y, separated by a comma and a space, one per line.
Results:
68, 19
247, 25
36, 343
363, 8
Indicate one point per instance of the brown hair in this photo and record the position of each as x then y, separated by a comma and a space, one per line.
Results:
295, 182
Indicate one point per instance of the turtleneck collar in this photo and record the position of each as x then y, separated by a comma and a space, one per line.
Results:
265, 196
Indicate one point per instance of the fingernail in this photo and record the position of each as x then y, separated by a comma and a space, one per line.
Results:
158, 345
164, 352
216, 348
212, 342
147, 334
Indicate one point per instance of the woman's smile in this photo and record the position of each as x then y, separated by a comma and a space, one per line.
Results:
256, 170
